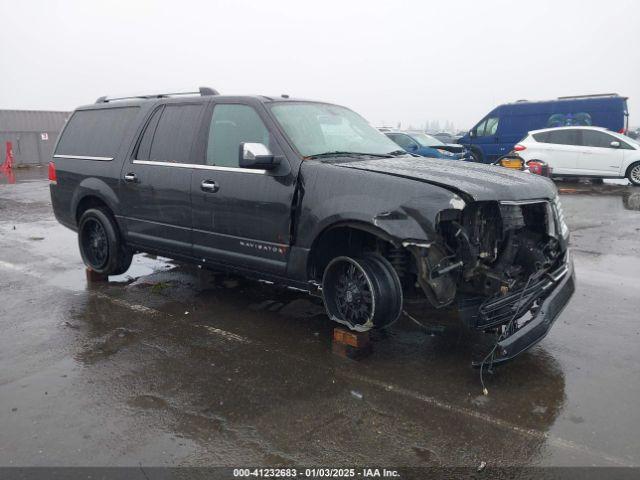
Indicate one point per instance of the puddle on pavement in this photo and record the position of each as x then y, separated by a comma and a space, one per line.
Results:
629, 195
21, 175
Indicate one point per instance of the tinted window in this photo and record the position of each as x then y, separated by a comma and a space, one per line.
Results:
174, 133
144, 147
593, 138
96, 133
230, 126
564, 137
541, 137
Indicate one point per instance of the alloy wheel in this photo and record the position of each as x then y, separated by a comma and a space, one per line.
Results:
95, 243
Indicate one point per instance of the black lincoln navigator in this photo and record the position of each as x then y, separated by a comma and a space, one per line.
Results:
310, 196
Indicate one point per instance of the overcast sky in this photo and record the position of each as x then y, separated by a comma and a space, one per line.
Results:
391, 61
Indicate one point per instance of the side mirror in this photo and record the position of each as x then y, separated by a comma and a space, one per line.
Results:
472, 133
615, 144
258, 156
413, 147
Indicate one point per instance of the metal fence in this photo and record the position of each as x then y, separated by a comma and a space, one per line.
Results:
32, 134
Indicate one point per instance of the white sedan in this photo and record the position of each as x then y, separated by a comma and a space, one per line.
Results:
583, 152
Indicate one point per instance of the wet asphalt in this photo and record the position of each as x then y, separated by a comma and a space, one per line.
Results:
172, 365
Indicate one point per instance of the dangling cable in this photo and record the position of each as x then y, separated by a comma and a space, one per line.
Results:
507, 329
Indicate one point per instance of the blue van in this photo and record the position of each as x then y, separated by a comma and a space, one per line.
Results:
503, 127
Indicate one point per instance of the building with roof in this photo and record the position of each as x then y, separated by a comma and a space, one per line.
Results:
30, 135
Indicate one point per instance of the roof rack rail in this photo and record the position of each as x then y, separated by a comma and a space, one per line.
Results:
202, 91
590, 96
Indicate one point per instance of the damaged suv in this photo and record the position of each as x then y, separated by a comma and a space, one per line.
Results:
310, 196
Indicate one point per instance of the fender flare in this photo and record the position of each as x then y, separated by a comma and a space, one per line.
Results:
94, 187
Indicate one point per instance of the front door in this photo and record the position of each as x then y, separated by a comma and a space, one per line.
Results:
485, 136
241, 216
599, 157
156, 181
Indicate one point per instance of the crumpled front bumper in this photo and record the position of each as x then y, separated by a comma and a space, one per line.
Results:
537, 327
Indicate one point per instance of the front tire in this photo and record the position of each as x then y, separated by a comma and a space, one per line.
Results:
362, 293
633, 174
476, 156
101, 247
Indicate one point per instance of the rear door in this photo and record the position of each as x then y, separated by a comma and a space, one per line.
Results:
563, 149
598, 156
156, 180
244, 220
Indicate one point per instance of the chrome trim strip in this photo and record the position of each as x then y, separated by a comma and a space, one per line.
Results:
83, 157
200, 167
557, 275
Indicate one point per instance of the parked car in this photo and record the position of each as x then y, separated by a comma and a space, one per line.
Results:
427, 146
504, 126
446, 137
308, 195
584, 152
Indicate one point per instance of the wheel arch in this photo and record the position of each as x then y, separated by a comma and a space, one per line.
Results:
343, 237
478, 151
630, 166
93, 191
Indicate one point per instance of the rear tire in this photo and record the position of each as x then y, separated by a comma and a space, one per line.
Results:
362, 293
633, 174
101, 246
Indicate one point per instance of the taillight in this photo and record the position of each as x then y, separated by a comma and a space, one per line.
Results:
535, 167
519, 148
622, 131
52, 173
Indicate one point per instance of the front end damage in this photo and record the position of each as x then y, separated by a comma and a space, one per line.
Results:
505, 266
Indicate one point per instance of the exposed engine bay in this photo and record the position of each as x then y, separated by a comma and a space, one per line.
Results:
489, 258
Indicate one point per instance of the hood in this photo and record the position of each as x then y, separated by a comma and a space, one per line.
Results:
480, 182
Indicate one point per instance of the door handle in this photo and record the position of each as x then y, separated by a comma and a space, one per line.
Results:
209, 186
131, 178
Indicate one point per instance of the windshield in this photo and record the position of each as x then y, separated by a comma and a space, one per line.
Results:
317, 128
426, 140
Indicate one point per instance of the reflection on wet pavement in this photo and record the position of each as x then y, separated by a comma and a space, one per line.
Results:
173, 365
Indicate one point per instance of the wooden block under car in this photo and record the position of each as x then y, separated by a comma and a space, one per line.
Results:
349, 344
93, 276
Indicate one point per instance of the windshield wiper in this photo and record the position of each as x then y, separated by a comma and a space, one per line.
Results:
338, 153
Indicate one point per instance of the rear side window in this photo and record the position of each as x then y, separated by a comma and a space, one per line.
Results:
169, 134
563, 137
542, 137
96, 133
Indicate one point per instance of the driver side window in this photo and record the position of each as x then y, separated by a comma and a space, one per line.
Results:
231, 125
488, 127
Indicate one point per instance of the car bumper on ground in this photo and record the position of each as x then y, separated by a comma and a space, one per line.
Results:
525, 337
